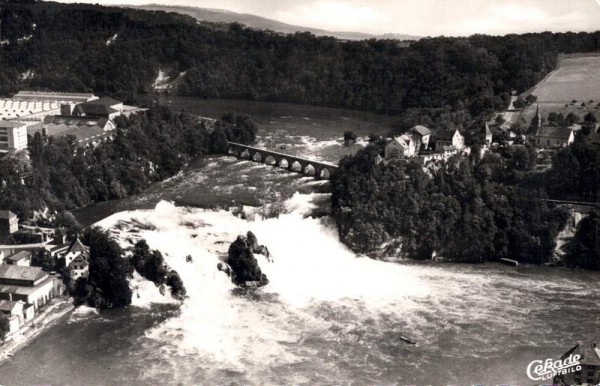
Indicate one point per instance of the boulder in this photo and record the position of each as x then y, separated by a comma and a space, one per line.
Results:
242, 264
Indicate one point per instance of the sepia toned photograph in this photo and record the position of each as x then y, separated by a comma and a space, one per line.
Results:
299, 192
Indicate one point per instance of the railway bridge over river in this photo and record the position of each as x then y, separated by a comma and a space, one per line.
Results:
318, 169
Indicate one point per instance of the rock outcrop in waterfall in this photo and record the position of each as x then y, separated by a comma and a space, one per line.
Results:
241, 265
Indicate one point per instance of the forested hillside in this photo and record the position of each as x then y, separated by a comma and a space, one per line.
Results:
466, 210
66, 47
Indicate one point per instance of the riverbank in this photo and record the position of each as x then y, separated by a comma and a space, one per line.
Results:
48, 318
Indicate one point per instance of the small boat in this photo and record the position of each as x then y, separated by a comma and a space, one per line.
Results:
514, 263
407, 340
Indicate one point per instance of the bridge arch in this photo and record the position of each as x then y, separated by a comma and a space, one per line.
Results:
309, 170
245, 154
324, 173
270, 160
257, 156
283, 163
295, 166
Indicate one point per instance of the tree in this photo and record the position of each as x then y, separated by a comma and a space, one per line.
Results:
42, 258
584, 249
109, 271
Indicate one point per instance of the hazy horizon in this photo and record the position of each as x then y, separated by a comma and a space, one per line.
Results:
422, 18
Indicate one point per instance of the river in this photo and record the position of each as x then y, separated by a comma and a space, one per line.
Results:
327, 316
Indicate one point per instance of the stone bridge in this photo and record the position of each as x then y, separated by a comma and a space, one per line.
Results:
293, 163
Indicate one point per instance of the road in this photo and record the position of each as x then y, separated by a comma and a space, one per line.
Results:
511, 115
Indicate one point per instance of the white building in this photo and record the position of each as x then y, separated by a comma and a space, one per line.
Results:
402, 146
450, 138
13, 136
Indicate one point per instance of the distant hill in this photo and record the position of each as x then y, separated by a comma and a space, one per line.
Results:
253, 21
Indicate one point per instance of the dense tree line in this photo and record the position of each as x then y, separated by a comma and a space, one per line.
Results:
575, 173
107, 285
146, 148
467, 210
66, 48
583, 250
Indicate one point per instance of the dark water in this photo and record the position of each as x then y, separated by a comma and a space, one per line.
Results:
326, 317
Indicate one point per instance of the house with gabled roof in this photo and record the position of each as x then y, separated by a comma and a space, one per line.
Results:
589, 354
104, 107
14, 311
401, 147
552, 136
76, 249
444, 138
22, 258
80, 266
421, 135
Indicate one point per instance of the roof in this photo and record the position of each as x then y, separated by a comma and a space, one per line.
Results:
19, 256
60, 247
554, 132
487, 129
421, 130
54, 96
78, 121
84, 133
94, 109
589, 351
77, 246
17, 272
23, 290
11, 124
8, 305
106, 101
7, 214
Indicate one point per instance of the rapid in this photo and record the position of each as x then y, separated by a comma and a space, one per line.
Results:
327, 316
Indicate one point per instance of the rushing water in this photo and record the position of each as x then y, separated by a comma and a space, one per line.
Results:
326, 317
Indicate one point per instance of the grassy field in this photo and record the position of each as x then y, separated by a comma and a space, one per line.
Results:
577, 78
573, 87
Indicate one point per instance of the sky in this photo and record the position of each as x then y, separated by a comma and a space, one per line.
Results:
414, 17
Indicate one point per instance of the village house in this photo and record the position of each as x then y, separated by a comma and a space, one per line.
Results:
86, 130
22, 258
76, 256
589, 362
421, 135
444, 138
409, 144
551, 136
543, 136
30, 284
403, 146
104, 107
9, 223
15, 311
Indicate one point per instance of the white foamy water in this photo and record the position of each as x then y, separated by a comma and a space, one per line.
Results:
328, 315
310, 268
